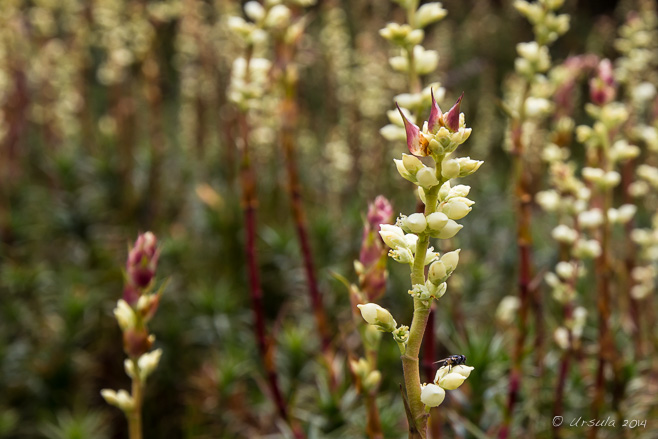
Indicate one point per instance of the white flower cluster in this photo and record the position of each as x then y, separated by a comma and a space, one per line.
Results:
447, 378
395, 130
412, 58
249, 76
638, 44
546, 25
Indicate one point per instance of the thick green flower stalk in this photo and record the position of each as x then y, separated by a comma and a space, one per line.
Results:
133, 313
409, 243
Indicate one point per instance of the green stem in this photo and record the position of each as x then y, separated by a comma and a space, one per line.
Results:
410, 363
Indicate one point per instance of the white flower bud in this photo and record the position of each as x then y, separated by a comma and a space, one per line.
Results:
426, 61
430, 255
432, 395
402, 255
129, 368
537, 107
586, 249
450, 168
399, 63
611, 179
456, 209
437, 221
438, 272
278, 17
452, 380
378, 316
436, 291
393, 133
450, 260
409, 100
467, 166
590, 219
412, 163
415, 37
148, 363
460, 190
120, 399
426, 177
462, 369
254, 10
561, 337
410, 240
392, 235
125, 315
451, 228
565, 270
564, 234
429, 13
401, 169
416, 222
444, 191
643, 92
507, 309
595, 175
548, 200
372, 380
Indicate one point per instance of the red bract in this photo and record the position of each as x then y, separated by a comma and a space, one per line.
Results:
434, 122
451, 118
416, 143
602, 88
142, 260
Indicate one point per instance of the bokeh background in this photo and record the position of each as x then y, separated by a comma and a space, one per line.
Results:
114, 120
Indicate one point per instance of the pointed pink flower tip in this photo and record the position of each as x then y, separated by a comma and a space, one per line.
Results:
413, 136
379, 212
605, 72
451, 118
435, 115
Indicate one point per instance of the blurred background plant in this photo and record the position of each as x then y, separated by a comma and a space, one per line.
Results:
115, 118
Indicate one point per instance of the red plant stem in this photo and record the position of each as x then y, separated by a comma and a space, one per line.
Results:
524, 243
429, 348
607, 350
289, 112
563, 372
151, 72
559, 390
374, 424
16, 112
628, 173
249, 206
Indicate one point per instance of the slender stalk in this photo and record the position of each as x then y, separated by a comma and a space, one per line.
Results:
289, 112
607, 350
524, 246
562, 374
373, 421
249, 206
151, 73
634, 308
135, 416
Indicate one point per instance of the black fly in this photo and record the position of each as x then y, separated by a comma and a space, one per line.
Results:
453, 360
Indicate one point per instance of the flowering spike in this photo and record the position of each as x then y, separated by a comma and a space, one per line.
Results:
435, 115
451, 118
414, 139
